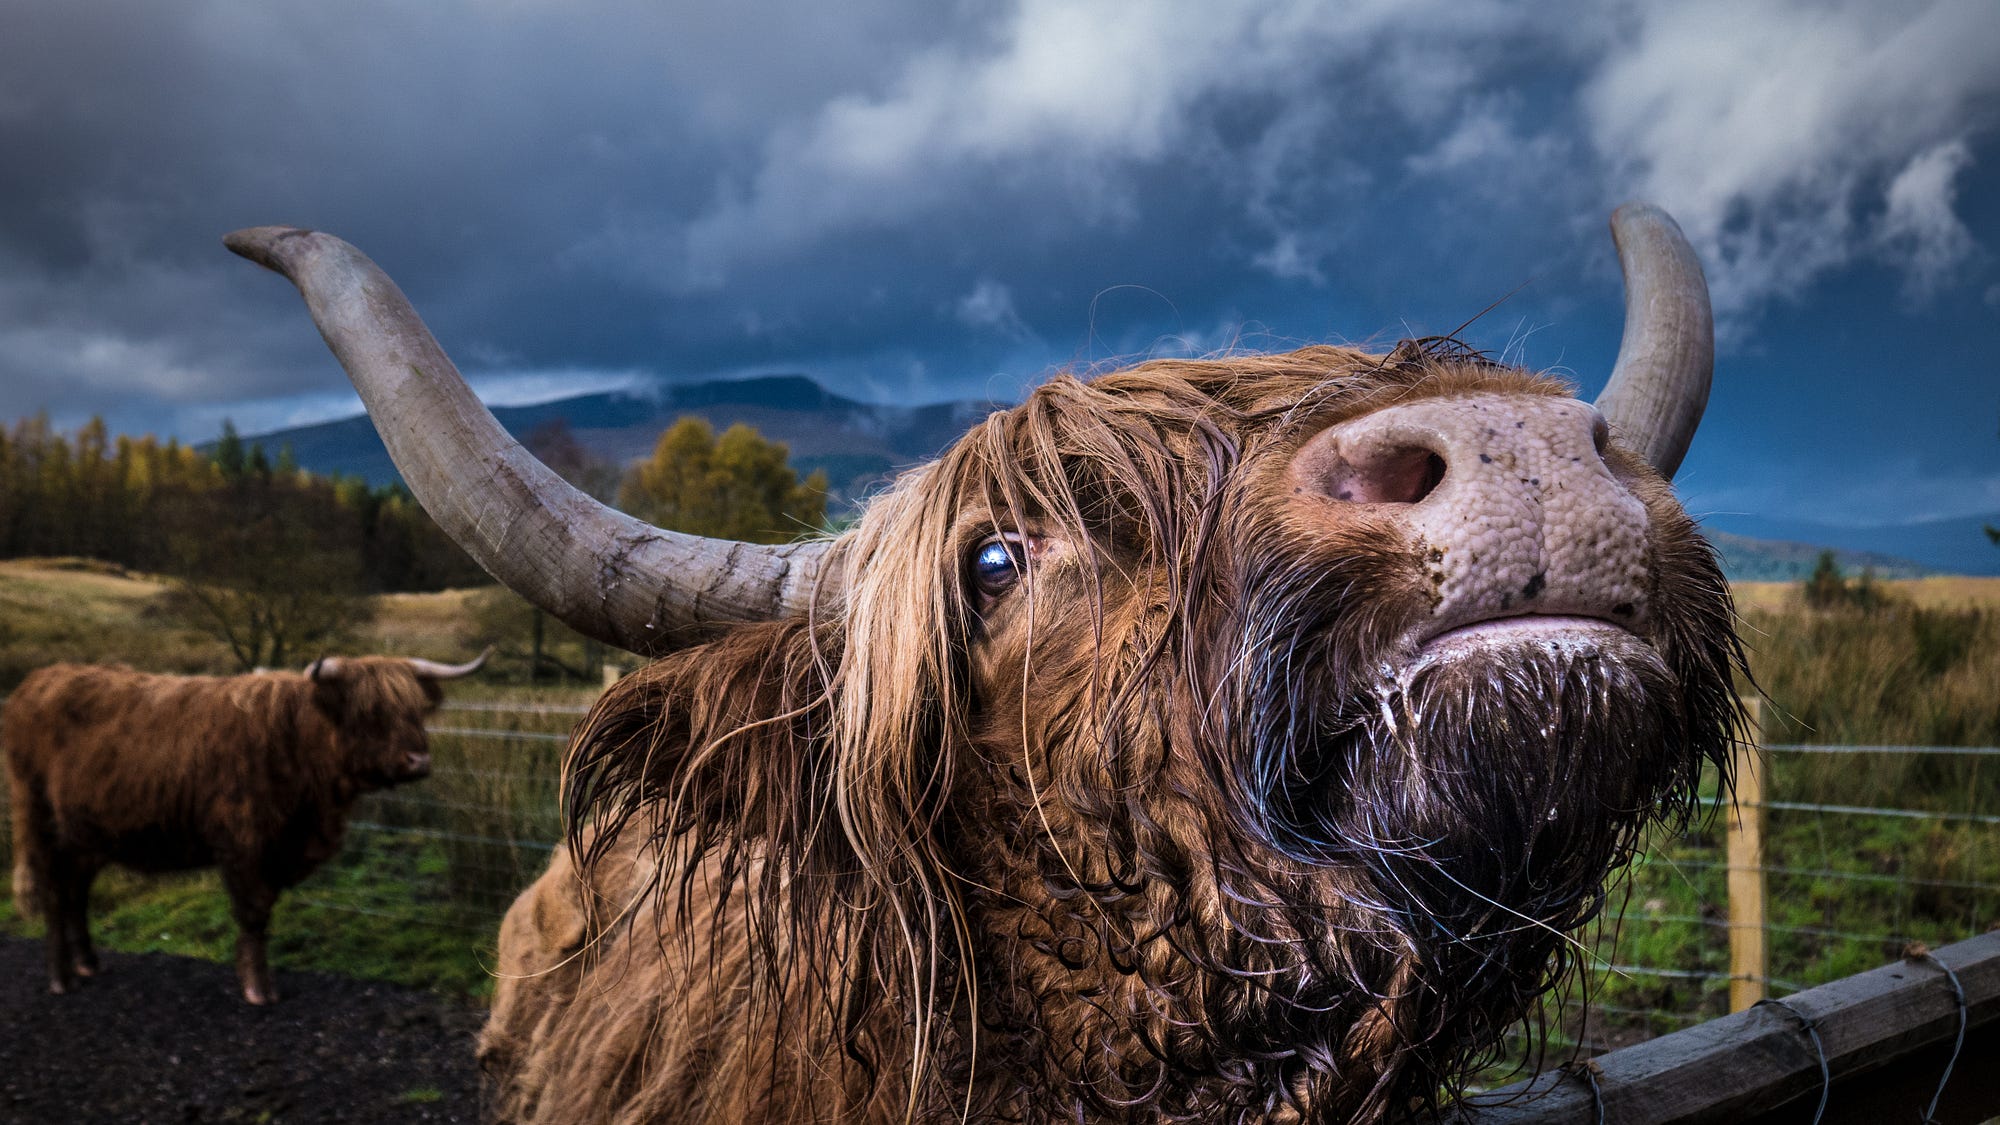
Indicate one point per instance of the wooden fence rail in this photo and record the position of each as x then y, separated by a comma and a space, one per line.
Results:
1865, 1049
1743, 838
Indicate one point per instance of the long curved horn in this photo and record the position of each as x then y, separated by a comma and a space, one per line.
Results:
433, 670
597, 569
1667, 356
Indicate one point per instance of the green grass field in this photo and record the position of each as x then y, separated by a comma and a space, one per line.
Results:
1846, 892
416, 895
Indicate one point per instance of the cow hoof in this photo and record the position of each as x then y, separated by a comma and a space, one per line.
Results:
260, 996
60, 988
84, 970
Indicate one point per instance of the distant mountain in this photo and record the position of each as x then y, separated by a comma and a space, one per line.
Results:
1947, 546
857, 444
1776, 560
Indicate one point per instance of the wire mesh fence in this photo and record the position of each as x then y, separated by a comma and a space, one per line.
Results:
1868, 849
484, 822
1851, 882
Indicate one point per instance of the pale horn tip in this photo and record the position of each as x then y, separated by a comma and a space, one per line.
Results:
1666, 358
1639, 210
260, 244
433, 670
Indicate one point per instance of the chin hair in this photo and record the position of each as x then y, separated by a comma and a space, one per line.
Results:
1473, 805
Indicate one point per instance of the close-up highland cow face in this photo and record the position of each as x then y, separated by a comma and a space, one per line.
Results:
1229, 739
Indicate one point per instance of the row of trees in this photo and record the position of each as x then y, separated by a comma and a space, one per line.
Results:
222, 513
276, 560
1828, 588
735, 485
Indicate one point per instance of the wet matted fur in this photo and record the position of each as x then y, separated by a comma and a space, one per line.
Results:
254, 774
1158, 830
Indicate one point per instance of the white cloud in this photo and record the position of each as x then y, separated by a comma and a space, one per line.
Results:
1288, 259
523, 388
1486, 142
1775, 132
1062, 96
495, 388
1378, 148
1892, 491
1920, 228
101, 361
990, 306
1790, 138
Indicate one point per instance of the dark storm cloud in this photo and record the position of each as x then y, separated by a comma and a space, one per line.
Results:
931, 200
472, 148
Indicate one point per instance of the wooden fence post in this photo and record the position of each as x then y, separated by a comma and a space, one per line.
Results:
1749, 969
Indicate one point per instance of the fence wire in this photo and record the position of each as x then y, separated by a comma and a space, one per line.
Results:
483, 826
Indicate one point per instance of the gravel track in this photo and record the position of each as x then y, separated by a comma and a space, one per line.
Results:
163, 1040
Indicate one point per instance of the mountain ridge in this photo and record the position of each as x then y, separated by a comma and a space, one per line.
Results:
857, 444
861, 445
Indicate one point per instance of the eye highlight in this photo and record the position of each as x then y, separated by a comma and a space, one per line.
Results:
997, 564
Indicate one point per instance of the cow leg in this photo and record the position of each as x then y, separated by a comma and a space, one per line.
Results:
250, 900
76, 923
58, 890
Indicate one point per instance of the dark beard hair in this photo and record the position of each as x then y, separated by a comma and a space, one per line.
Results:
1472, 809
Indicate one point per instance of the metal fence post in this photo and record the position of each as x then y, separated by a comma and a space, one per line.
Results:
1749, 969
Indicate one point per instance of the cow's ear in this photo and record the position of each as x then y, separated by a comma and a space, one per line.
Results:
715, 746
330, 695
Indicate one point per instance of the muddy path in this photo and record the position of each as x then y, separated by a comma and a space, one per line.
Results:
166, 1040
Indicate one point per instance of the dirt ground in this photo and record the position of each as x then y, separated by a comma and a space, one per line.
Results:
163, 1040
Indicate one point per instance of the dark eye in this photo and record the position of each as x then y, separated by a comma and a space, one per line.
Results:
998, 563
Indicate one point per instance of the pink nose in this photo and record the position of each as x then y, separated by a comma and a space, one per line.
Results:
1507, 498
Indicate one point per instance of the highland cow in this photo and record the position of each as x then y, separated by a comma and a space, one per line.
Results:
1229, 740
252, 774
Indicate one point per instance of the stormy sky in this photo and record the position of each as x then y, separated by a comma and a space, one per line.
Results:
922, 200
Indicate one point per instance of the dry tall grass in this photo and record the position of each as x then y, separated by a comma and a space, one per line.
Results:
1899, 675
444, 857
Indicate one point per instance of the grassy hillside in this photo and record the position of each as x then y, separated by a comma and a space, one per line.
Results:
75, 609
1846, 890
80, 610
1936, 592
411, 901
1777, 560
416, 895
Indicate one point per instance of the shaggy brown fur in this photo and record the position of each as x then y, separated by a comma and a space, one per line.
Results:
1159, 828
252, 774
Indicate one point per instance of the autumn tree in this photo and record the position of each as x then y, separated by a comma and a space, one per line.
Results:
737, 486
511, 624
229, 453
1993, 533
275, 572
1827, 588
555, 445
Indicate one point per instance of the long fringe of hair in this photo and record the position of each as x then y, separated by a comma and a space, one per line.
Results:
805, 782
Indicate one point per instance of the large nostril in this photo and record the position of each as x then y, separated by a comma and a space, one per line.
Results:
1600, 433
1389, 474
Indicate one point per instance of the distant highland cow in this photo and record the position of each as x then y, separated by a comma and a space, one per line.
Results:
1231, 740
252, 774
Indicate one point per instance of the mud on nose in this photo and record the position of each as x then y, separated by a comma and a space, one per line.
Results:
1508, 497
